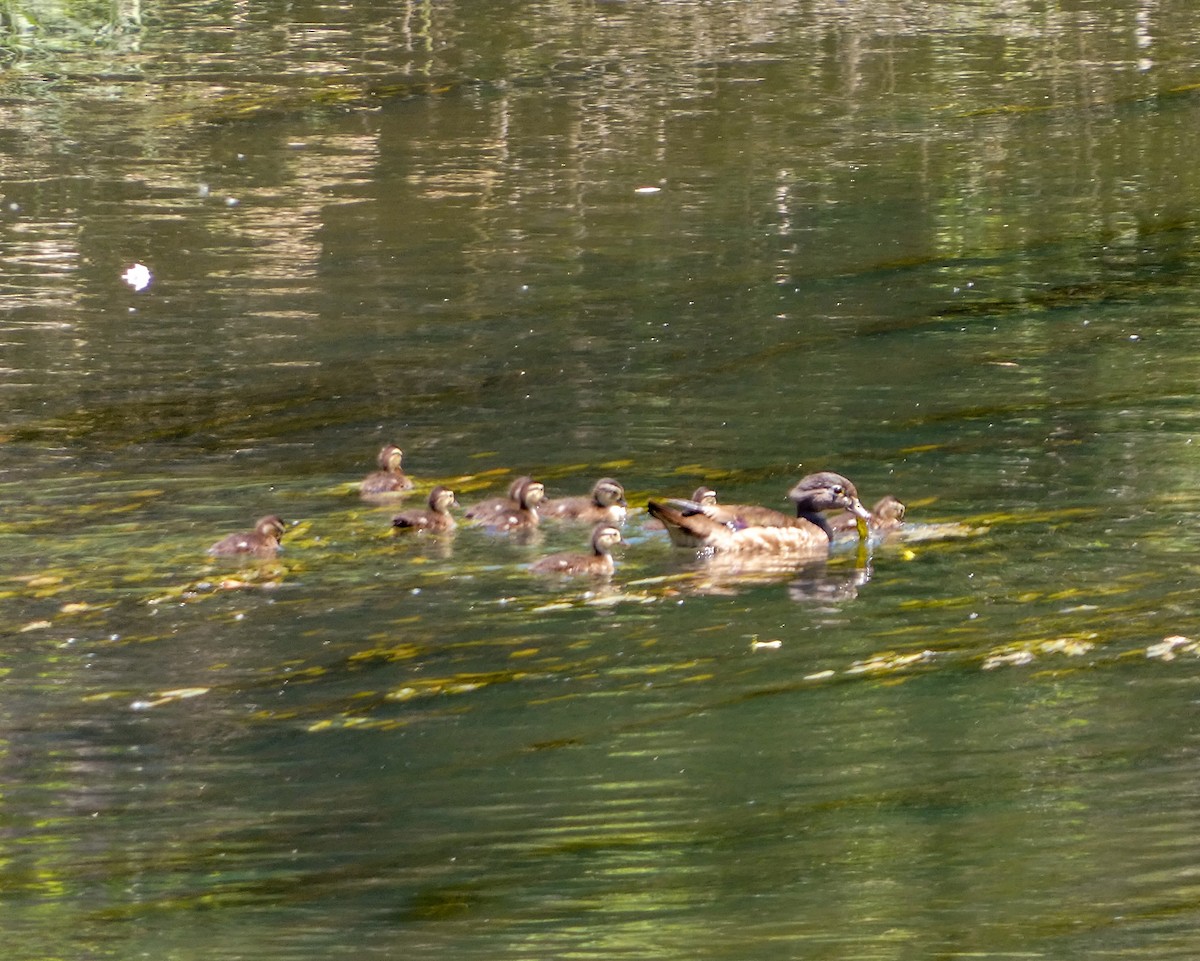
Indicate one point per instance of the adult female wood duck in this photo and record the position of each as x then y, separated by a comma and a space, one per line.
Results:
690, 524
263, 541
886, 515
599, 563
605, 504
518, 511
390, 479
436, 517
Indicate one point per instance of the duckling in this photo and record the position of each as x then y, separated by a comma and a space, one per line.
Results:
599, 563
743, 515
886, 515
690, 524
490, 506
436, 517
605, 503
263, 541
516, 511
390, 479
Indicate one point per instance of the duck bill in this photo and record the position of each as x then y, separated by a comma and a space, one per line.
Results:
861, 516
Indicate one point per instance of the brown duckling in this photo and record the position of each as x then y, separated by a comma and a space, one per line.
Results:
886, 515
605, 504
491, 506
516, 511
390, 479
436, 517
263, 541
690, 524
599, 563
743, 515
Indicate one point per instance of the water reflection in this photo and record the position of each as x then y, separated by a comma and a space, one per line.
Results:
949, 252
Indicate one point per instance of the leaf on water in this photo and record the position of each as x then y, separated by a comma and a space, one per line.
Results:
889, 662
772, 645
40, 580
167, 697
555, 606
35, 626
346, 722
104, 696
75, 607
1025, 652
1171, 647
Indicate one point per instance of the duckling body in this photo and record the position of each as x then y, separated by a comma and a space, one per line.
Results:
886, 515
690, 524
491, 506
518, 511
436, 517
389, 479
743, 515
605, 504
598, 563
263, 541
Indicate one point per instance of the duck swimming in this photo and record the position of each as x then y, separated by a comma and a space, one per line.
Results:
690, 524
606, 503
263, 541
390, 479
436, 517
518, 511
599, 563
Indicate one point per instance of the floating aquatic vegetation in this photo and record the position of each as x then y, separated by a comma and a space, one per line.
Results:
890, 662
1171, 647
1026, 652
167, 697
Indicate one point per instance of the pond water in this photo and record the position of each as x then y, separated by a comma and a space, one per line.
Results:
947, 250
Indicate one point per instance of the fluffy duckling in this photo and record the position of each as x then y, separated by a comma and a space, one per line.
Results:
490, 506
263, 541
390, 479
886, 515
690, 524
605, 504
744, 515
436, 517
518, 511
599, 563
